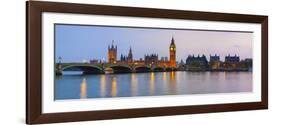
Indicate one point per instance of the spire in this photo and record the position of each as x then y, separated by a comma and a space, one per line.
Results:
172, 45
112, 44
173, 41
130, 55
130, 51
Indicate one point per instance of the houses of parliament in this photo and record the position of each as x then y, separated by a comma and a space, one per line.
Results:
149, 59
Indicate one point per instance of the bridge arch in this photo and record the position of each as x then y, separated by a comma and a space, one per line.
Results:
159, 69
86, 69
143, 68
121, 69
169, 69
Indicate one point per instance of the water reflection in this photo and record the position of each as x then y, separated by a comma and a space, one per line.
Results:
172, 83
151, 83
232, 75
113, 87
83, 89
164, 76
102, 86
134, 85
172, 76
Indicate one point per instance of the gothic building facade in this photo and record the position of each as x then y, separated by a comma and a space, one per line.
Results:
232, 59
197, 63
215, 63
112, 53
128, 58
214, 58
232, 62
149, 59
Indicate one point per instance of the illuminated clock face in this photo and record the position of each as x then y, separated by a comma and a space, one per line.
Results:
172, 49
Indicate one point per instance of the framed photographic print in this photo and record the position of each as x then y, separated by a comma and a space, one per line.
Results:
93, 62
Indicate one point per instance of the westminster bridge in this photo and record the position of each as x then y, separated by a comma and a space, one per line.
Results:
90, 68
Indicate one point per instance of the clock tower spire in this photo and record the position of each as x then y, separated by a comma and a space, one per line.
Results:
172, 50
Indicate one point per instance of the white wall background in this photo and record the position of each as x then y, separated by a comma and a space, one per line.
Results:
12, 47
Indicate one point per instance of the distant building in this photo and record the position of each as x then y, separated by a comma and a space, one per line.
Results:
182, 62
215, 62
148, 59
127, 59
232, 62
247, 63
232, 59
123, 58
197, 63
166, 59
214, 58
112, 53
130, 56
151, 59
94, 61
199, 59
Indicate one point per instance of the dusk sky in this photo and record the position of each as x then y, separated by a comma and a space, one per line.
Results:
75, 43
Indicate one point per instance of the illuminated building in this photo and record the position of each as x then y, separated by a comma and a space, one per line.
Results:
231, 62
172, 49
112, 53
215, 62
149, 59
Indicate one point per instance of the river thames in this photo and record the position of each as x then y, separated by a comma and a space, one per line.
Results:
75, 86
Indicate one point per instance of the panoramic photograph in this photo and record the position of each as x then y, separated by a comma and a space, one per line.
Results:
93, 62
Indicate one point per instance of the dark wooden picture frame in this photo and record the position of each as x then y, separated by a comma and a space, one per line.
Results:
34, 10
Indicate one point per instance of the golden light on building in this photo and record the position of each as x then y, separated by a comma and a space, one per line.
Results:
112, 53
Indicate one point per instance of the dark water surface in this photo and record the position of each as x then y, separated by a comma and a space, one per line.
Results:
150, 84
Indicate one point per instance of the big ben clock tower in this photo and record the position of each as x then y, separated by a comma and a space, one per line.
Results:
172, 53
